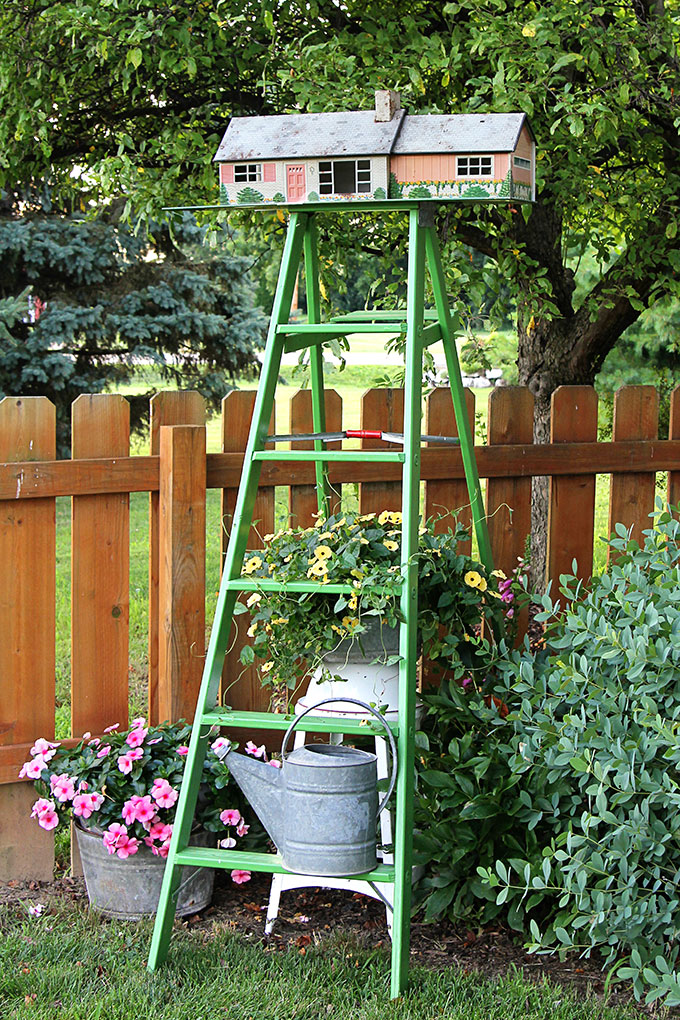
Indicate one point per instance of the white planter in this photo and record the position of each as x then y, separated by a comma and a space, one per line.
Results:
365, 674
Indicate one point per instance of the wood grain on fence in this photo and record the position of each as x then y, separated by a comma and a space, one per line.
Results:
572, 497
631, 497
302, 499
185, 407
241, 685
27, 626
181, 573
381, 409
100, 573
445, 498
508, 500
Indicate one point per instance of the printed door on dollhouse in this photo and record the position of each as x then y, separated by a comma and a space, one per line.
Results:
295, 182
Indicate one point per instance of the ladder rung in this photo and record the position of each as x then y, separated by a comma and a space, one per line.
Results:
265, 584
377, 456
332, 329
383, 315
432, 334
245, 860
279, 721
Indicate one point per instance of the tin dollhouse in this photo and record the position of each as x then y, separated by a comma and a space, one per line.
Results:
377, 155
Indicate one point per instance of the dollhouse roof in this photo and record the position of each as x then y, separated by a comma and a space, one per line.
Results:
357, 133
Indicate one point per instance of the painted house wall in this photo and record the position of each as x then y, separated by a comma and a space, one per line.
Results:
435, 175
525, 150
267, 190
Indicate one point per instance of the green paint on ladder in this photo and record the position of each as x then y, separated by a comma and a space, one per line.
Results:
301, 243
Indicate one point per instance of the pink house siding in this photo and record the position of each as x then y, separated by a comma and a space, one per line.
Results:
268, 172
525, 151
434, 167
226, 173
501, 165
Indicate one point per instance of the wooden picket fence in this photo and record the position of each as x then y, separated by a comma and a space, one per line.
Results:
177, 473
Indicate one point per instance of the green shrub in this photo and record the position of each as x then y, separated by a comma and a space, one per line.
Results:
596, 751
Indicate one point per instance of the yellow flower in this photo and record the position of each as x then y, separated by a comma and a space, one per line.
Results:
359, 574
318, 569
253, 564
363, 541
389, 544
385, 517
353, 602
495, 594
323, 552
339, 524
366, 517
475, 580
529, 31
326, 534
252, 629
499, 573
350, 622
266, 667
254, 599
280, 620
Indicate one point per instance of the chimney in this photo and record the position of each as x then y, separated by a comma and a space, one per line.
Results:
387, 102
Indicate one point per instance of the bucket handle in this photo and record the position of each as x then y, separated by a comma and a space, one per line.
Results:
367, 708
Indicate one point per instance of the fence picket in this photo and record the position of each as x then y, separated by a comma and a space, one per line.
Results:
381, 409
237, 411
100, 573
508, 500
572, 497
302, 498
186, 407
27, 626
181, 575
445, 497
631, 497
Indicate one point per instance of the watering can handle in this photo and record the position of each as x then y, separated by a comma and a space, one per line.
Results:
367, 708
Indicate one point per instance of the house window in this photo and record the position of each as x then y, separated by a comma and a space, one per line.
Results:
475, 166
345, 177
521, 163
244, 172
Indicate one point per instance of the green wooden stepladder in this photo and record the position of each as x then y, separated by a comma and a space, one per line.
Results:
421, 328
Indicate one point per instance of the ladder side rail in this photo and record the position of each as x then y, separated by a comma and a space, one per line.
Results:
238, 539
458, 397
403, 836
311, 255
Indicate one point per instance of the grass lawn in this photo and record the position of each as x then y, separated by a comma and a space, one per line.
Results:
74, 966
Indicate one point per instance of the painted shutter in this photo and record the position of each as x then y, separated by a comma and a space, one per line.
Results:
227, 173
269, 172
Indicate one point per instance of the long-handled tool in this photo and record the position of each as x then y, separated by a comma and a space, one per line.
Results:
387, 437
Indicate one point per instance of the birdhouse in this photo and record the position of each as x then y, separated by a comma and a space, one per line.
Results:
377, 155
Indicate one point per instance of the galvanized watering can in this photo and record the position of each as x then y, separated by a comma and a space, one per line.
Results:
321, 807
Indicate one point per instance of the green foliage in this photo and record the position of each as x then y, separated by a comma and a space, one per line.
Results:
278, 197
593, 747
420, 191
454, 594
312, 197
379, 194
114, 298
495, 350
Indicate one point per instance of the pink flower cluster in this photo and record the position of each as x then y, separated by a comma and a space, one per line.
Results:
44, 811
41, 753
117, 841
505, 589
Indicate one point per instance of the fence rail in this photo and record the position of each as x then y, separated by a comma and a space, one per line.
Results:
177, 474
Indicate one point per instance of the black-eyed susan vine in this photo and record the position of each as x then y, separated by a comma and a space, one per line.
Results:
291, 631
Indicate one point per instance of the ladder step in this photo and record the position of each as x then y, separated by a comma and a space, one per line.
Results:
333, 329
264, 584
281, 721
244, 860
377, 456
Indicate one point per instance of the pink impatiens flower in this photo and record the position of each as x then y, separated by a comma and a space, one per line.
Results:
230, 817
183, 749
63, 787
242, 828
138, 809
239, 876
103, 751
137, 724
45, 748
126, 761
163, 793
43, 810
228, 843
85, 804
126, 846
219, 745
275, 764
257, 752
135, 738
34, 768
110, 729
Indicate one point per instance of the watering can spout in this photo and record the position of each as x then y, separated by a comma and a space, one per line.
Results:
263, 788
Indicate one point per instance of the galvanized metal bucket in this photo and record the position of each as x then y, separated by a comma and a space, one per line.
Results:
130, 889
